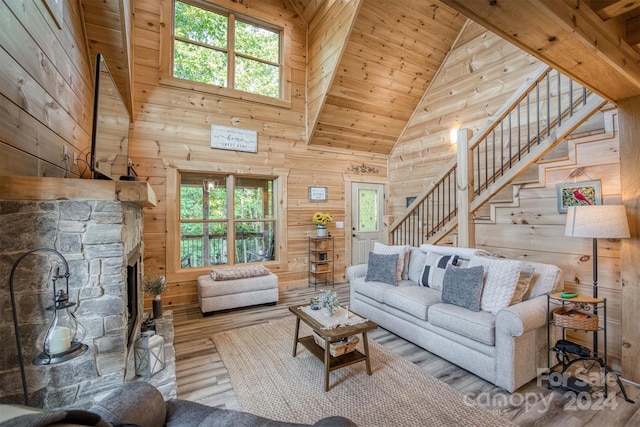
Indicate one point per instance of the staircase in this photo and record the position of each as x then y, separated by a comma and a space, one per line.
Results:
546, 108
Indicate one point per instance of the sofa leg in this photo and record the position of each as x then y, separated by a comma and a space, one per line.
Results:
208, 313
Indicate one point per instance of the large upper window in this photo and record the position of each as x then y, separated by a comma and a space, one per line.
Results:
220, 48
226, 219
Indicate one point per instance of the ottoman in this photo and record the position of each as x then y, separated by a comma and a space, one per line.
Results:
236, 291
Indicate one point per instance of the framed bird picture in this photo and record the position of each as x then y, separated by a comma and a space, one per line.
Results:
578, 194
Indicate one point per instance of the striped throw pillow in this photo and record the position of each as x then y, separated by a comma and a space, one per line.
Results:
434, 268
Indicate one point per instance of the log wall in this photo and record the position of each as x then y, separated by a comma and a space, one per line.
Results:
172, 130
46, 90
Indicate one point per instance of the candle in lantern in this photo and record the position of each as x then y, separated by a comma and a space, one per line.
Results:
60, 340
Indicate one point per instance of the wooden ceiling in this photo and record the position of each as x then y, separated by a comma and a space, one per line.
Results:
394, 49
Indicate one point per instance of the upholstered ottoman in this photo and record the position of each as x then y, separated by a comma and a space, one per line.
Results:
237, 287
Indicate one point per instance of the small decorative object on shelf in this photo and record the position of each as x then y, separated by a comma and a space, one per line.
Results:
315, 303
155, 286
329, 301
340, 346
149, 350
321, 220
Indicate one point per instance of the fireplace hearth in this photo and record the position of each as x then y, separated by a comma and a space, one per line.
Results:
102, 242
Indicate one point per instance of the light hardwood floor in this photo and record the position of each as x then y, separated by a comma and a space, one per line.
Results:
202, 377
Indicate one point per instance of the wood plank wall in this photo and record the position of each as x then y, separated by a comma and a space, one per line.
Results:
46, 90
478, 76
172, 126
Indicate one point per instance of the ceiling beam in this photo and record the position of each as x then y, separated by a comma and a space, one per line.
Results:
566, 35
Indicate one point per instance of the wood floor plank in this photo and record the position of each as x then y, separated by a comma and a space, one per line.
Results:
202, 377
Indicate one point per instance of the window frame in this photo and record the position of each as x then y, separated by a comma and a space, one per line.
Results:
230, 221
234, 12
175, 272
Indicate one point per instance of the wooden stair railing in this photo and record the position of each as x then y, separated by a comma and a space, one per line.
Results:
537, 117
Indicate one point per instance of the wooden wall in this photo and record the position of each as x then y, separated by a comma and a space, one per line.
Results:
172, 129
46, 90
477, 77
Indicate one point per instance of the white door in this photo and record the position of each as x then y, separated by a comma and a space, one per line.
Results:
367, 201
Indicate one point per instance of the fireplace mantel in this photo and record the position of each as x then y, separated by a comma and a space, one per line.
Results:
49, 188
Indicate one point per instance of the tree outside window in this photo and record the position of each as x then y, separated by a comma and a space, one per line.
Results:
223, 49
205, 223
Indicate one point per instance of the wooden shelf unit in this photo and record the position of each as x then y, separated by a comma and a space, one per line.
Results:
321, 261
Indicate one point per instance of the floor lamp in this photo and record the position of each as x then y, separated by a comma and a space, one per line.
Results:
597, 221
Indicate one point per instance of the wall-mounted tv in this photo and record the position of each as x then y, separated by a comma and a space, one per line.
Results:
110, 132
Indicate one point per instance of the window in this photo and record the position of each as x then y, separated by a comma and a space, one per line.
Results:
220, 48
211, 205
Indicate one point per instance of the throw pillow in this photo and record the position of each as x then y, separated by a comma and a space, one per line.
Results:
463, 286
434, 268
501, 277
403, 257
524, 280
382, 268
416, 264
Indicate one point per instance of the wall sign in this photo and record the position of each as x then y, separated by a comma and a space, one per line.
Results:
231, 138
317, 194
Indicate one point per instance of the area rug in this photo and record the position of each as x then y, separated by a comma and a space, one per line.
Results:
270, 382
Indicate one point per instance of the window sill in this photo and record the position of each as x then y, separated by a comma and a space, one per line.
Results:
170, 81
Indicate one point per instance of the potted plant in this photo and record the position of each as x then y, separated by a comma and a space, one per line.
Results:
321, 220
329, 300
155, 285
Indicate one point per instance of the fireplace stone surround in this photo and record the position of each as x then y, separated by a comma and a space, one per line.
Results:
100, 237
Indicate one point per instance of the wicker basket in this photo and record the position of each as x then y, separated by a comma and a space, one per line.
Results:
340, 347
572, 319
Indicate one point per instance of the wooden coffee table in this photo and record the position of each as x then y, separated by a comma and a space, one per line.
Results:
332, 363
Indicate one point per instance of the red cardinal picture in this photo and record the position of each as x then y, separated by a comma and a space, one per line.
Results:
581, 197
585, 193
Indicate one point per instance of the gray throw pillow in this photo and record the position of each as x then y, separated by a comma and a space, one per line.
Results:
382, 268
463, 286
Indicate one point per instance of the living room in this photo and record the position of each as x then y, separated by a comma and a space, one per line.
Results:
362, 101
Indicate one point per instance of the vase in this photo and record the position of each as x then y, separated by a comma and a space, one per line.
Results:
322, 231
157, 307
328, 312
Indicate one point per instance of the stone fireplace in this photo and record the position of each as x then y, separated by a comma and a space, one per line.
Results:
100, 236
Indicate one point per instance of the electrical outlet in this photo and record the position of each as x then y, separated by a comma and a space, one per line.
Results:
75, 158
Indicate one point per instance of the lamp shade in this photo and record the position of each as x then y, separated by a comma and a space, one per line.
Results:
597, 221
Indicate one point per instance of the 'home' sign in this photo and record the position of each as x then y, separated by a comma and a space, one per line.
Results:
230, 138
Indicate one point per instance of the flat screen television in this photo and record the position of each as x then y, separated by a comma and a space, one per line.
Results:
110, 131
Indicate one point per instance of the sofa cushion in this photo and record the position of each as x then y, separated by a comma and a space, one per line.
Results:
501, 277
403, 257
122, 406
477, 325
413, 299
382, 268
546, 279
373, 290
416, 264
463, 286
434, 268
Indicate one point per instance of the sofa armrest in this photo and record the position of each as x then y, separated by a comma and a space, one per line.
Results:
519, 318
355, 271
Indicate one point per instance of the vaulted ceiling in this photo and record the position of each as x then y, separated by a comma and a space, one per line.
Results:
390, 52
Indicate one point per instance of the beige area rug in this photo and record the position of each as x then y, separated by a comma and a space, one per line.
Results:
268, 381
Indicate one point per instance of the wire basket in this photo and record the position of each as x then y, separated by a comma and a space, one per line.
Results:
566, 317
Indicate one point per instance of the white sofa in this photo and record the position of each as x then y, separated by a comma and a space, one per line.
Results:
505, 349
